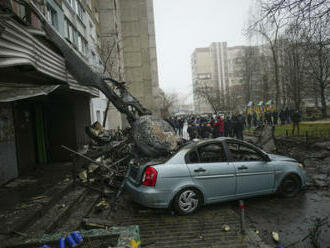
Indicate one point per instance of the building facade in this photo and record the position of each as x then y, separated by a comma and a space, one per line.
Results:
41, 105
48, 107
233, 72
220, 69
203, 79
139, 51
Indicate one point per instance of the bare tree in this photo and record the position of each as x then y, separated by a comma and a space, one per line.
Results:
270, 31
250, 71
167, 101
110, 62
317, 47
208, 93
303, 10
294, 64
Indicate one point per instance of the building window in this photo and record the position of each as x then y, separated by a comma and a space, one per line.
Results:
52, 16
72, 3
80, 11
82, 45
76, 39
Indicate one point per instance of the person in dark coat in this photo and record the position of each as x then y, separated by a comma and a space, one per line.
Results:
268, 117
282, 117
240, 126
180, 126
296, 118
255, 119
249, 120
227, 127
203, 131
275, 117
234, 124
191, 131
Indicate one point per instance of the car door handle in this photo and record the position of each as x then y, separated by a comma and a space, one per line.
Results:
243, 167
200, 170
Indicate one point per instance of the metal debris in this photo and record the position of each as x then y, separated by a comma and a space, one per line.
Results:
276, 236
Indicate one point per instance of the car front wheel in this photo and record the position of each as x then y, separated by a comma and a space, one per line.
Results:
290, 186
187, 201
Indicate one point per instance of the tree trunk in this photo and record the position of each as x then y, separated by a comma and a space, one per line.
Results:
323, 102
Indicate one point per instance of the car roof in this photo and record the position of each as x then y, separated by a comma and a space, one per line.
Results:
197, 142
205, 141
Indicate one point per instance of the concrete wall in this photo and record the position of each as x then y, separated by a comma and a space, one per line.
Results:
139, 50
110, 34
8, 161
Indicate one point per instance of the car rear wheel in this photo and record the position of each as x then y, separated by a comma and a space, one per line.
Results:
187, 201
290, 186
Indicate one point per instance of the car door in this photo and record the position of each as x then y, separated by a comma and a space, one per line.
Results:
209, 168
254, 174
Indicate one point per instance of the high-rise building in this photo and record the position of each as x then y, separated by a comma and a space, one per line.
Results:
201, 67
220, 69
225, 67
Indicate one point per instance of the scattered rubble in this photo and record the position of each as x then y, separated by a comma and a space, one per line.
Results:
276, 236
322, 145
226, 228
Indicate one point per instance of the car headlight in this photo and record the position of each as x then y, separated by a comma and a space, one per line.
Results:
300, 165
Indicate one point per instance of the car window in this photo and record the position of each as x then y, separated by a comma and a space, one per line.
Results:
211, 153
241, 152
192, 158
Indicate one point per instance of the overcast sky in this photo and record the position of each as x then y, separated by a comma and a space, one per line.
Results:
183, 25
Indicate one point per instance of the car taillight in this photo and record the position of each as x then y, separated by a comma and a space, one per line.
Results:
149, 177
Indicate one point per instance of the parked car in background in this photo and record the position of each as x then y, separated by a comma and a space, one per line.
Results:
214, 170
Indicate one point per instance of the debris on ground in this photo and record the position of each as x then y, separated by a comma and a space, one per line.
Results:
98, 134
226, 228
91, 223
276, 236
121, 237
102, 205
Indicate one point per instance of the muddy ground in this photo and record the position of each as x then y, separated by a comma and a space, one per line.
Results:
295, 218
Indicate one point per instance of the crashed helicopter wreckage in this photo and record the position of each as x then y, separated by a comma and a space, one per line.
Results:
152, 135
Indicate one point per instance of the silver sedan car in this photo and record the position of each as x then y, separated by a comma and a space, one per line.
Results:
215, 170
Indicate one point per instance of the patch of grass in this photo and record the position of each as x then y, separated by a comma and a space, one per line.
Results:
317, 129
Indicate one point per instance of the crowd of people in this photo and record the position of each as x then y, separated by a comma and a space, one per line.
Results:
272, 117
210, 127
232, 125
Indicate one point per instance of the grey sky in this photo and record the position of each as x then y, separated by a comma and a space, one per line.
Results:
183, 25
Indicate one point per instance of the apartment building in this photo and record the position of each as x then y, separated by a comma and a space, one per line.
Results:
41, 105
202, 78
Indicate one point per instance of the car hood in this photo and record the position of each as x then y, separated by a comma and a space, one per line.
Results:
275, 157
